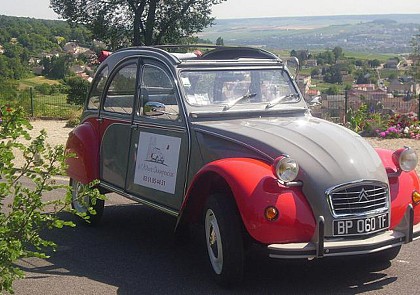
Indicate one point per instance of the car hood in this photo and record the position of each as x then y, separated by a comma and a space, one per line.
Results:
328, 154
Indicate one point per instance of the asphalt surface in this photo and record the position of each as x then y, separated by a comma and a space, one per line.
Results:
134, 251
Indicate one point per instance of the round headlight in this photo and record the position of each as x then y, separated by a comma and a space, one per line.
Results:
405, 159
285, 169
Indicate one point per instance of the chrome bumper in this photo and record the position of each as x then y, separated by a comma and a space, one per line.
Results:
320, 247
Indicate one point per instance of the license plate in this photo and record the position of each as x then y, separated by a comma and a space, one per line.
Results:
361, 226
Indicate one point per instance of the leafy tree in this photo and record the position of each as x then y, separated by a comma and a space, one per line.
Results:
56, 67
220, 41
326, 57
138, 22
338, 52
77, 90
365, 76
333, 75
360, 63
374, 63
315, 72
301, 55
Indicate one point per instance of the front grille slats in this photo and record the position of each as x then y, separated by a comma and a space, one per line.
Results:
359, 198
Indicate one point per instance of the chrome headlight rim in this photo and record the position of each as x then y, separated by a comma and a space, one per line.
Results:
285, 169
405, 159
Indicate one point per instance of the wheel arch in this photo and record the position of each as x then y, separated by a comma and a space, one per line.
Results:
204, 185
401, 186
83, 149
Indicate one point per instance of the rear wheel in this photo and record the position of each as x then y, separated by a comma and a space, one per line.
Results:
223, 234
81, 203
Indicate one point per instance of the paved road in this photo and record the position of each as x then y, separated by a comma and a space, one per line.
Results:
133, 251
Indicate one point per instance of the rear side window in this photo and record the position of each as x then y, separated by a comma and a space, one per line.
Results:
94, 99
157, 86
121, 92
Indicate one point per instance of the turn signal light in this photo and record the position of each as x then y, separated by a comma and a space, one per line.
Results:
271, 213
416, 197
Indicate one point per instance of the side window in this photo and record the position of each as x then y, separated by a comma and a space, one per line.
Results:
157, 87
121, 91
97, 89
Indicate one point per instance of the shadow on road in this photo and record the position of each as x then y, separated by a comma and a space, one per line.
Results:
134, 250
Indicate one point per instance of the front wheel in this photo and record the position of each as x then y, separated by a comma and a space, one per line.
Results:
222, 225
82, 203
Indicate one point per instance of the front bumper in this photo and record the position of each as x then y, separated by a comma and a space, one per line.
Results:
319, 247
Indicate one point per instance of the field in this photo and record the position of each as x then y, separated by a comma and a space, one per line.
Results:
34, 81
40, 105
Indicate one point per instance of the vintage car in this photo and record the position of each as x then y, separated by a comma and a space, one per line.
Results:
225, 139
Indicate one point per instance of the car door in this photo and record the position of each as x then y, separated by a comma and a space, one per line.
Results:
159, 150
115, 123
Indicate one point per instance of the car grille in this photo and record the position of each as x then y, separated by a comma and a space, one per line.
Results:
359, 198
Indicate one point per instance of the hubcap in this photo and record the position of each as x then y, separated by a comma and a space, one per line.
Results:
214, 242
79, 204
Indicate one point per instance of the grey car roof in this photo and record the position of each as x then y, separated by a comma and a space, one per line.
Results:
218, 55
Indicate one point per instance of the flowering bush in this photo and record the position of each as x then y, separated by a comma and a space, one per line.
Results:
401, 126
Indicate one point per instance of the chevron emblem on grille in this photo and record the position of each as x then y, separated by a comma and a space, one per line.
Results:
363, 195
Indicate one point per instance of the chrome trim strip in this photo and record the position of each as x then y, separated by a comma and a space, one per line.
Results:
180, 129
138, 199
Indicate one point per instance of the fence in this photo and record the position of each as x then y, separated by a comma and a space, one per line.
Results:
337, 108
39, 105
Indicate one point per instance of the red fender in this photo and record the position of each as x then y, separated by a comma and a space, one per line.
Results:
254, 188
83, 143
401, 189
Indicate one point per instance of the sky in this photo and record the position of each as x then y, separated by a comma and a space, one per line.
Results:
249, 8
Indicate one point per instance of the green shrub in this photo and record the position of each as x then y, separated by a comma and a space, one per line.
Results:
23, 212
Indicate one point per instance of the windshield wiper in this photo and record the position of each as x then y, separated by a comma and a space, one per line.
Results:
232, 103
279, 99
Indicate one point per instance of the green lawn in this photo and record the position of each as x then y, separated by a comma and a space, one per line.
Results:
34, 81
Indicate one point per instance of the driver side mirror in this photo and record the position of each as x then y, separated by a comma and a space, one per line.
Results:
153, 108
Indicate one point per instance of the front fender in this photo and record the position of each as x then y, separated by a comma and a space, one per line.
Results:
401, 189
254, 188
82, 145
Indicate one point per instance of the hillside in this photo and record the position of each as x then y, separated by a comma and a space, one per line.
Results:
367, 33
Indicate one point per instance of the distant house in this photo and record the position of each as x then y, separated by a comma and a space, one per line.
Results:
392, 63
38, 70
311, 63
1, 49
304, 82
77, 69
313, 92
364, 87
399, 88
70, 47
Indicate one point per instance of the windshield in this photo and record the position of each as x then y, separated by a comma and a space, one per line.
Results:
230, 88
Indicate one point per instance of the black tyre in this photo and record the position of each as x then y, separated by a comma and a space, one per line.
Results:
81, 205
224, 241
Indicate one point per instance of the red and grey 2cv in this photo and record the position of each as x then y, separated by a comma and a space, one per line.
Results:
225, 139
